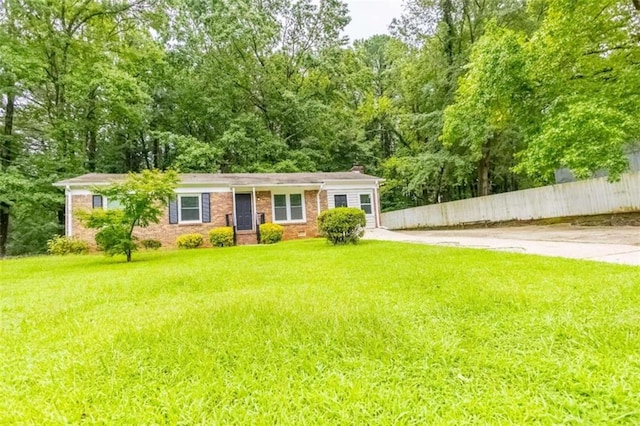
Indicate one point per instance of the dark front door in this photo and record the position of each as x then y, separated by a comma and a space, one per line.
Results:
244, 213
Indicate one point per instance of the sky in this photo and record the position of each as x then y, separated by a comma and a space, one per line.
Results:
369, 17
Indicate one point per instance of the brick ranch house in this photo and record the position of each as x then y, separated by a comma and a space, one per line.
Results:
206, 201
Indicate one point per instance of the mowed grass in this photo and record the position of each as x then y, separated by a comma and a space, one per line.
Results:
305, 333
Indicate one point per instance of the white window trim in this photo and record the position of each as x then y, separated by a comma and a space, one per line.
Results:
179, 206
288, 204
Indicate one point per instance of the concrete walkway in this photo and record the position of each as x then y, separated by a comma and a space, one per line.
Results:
628, 254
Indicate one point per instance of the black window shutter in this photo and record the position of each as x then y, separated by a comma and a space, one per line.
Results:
206, 208
173, 211
97, 201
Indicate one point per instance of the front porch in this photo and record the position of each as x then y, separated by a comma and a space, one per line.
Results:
294, 208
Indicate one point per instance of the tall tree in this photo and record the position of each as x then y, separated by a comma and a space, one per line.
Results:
584, 65
479, 124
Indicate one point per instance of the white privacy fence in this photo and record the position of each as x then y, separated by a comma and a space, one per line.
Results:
589, 197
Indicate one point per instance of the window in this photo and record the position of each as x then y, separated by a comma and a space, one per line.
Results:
279, 208
340, 200
100, 202
288, 208
113, 204
295, 201
365, 203
189, 208
96, 201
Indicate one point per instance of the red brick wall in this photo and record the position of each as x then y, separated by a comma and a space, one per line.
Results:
263, 205
298, 230
245, 237
82, 203
221, 205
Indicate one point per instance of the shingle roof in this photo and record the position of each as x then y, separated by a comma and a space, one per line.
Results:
232, 179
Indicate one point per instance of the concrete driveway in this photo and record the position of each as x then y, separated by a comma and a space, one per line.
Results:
603, 244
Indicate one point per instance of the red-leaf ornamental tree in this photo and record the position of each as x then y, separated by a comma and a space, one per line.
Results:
141, 197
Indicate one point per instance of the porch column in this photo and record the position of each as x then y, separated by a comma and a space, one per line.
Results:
233, 213
255, 208
68, 216
318, 197
376, 200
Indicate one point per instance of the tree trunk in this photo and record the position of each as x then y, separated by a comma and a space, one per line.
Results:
7, 155
4, 228
92, 144
145, 151
156, 153
128, 255
92, 134
449, 50
438, 193
484, 187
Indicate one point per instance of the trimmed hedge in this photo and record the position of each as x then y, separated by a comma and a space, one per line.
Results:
61, 246
342, 225
189, 241
271, 233
221, 237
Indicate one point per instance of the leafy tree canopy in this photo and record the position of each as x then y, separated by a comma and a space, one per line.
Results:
463, 98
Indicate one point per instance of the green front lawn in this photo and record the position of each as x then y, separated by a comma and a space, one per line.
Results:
305, 333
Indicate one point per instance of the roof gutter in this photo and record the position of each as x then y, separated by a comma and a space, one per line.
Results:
68, 217
68, 185
318, 197
376, 197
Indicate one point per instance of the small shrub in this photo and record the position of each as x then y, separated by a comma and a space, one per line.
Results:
151, 244
189, 241
342, 225
59, 245
221, 237
271, 233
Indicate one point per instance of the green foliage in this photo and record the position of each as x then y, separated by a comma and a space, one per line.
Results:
563, 97
342, 225
583, 62
302, 333
464, 98
115, 238
221, 237
33, 223
61, 246
151, 244
33, 206
191, 154
603, 133
479, 125
99, 218
189, 241
14, 186
271, 233
488, 92
142, 198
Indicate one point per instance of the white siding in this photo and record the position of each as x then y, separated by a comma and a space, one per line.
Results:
353, 200
582, 198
